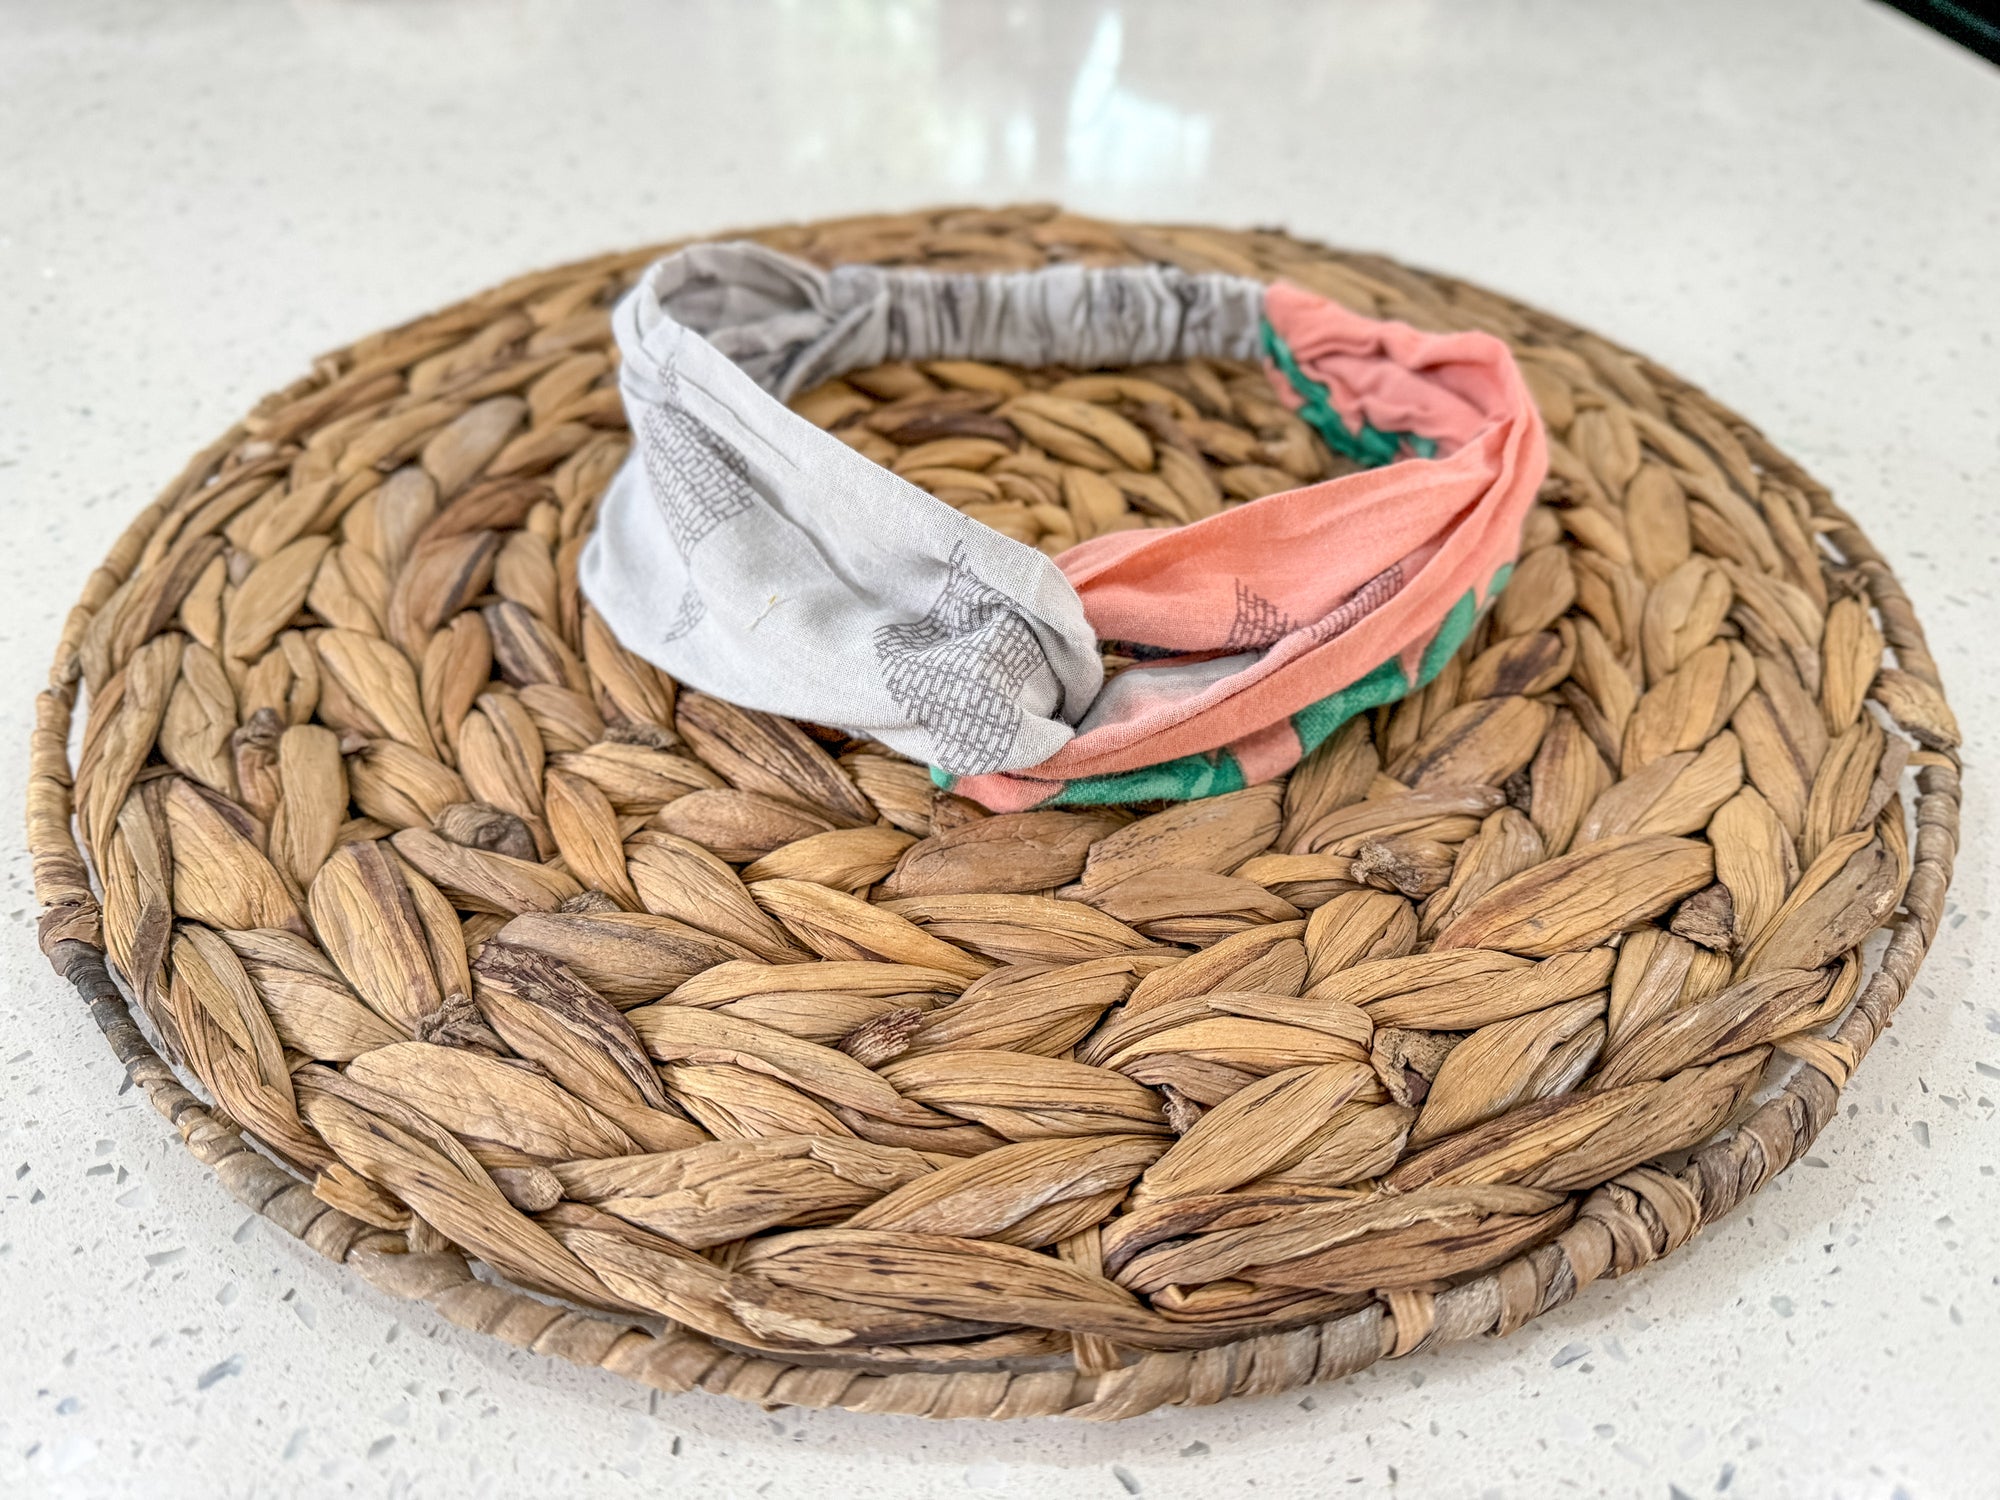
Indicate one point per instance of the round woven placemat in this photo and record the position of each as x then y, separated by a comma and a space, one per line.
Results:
719, 1051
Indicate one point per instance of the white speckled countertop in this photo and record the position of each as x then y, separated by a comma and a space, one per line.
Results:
1795, 204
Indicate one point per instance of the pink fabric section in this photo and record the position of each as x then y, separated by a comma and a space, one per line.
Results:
1277, 572
1005, 792
1267, 752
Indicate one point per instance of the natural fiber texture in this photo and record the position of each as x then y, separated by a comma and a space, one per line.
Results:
757, 1067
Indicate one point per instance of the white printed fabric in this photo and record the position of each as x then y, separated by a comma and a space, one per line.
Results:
751, 555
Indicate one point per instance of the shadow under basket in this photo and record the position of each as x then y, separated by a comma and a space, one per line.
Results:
726, 1053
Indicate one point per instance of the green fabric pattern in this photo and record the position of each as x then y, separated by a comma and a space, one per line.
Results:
1184, 780
1214, 772
1371, 446
1195, 776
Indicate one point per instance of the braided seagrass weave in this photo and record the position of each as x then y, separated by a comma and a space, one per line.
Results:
744, 1060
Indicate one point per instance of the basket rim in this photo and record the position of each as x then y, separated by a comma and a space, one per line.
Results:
1639, 1216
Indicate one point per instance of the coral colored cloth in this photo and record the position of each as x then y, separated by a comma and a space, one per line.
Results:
1323, 585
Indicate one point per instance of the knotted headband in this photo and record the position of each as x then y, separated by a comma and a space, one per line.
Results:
756, 557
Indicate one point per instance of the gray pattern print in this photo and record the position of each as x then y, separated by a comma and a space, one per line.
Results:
1259, 622
960, 669
687, 614
1365, 600
698, 482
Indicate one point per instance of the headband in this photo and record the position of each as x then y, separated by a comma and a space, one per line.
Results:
756, 557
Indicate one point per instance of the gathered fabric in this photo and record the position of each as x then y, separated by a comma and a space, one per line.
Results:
754, 556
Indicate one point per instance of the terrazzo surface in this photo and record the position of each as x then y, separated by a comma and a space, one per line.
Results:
1794, 203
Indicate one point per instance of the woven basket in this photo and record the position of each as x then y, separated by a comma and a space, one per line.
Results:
1511, 985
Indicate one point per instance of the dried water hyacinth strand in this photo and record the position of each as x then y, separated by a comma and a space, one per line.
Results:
513, 950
